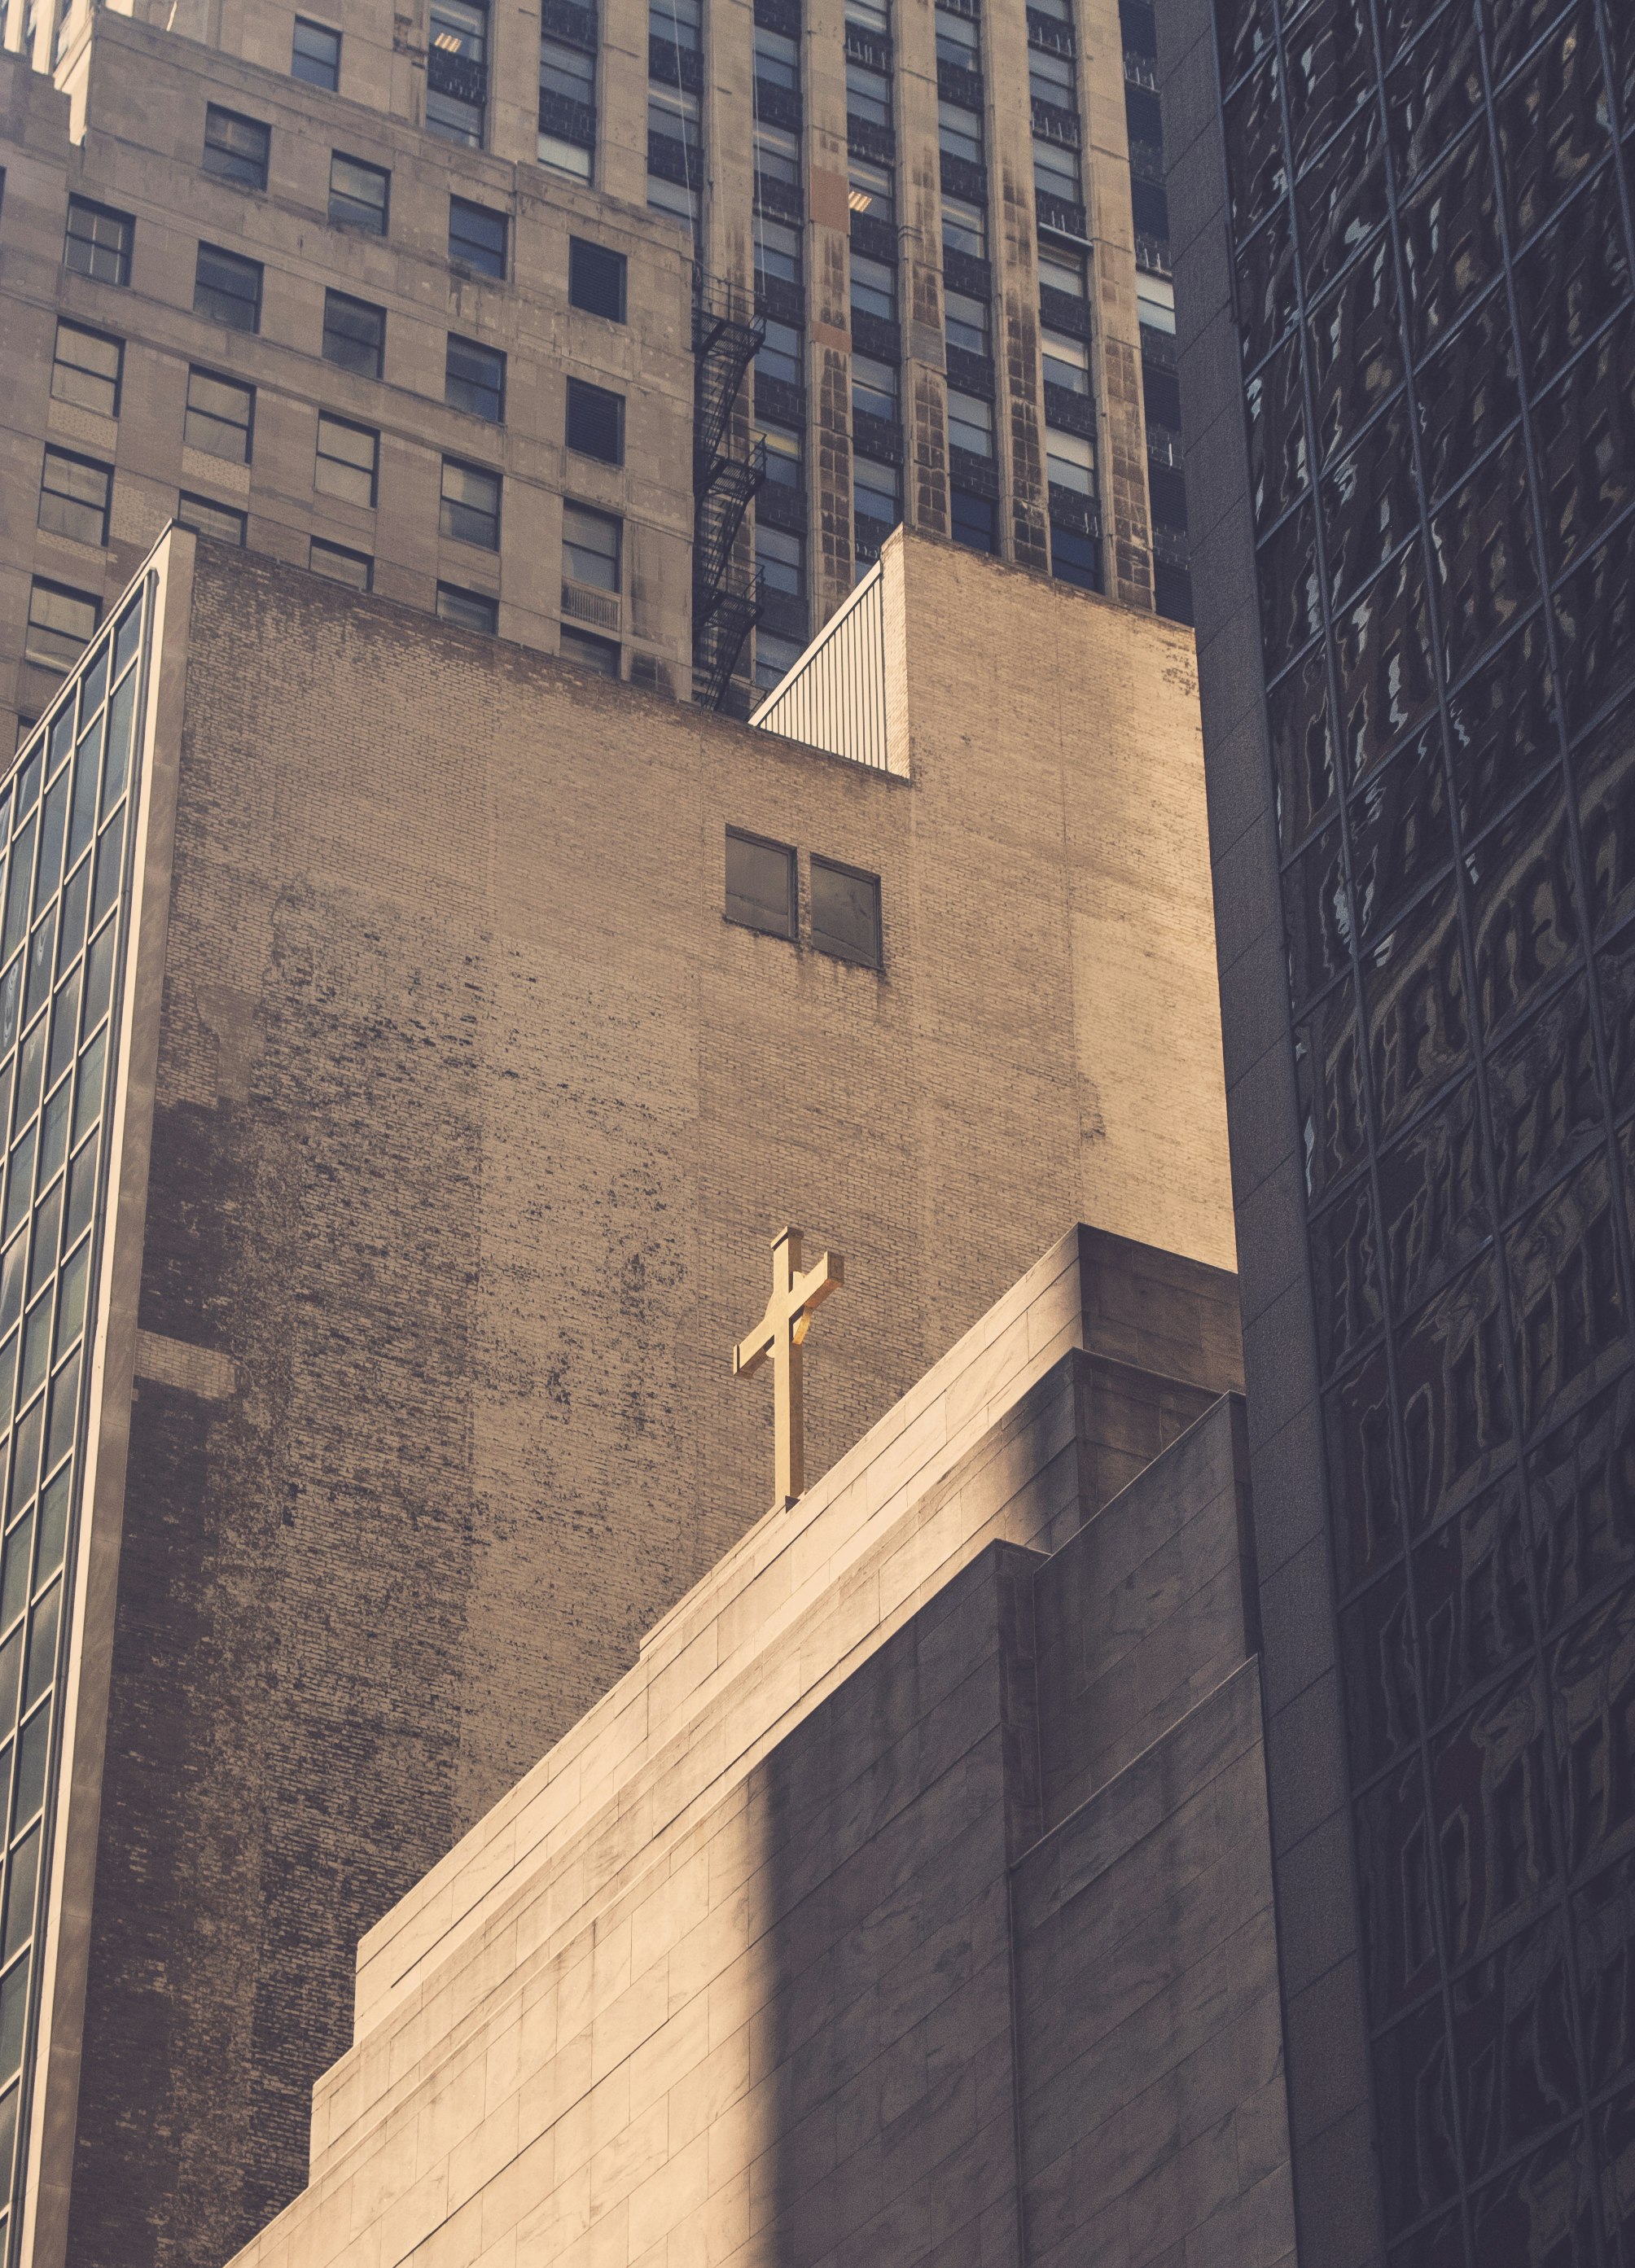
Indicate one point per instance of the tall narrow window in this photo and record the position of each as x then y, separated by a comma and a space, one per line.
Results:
99, 240
348, 461
470, 506
845, 912
760, 884
596, 279
595, 421
970, 423
567, 128
457, 71
219, 415
354, 334
964, 227
317, 53
86, 368
474, 379
227, 289
74, 494
236, 149
873, 289
357, 193
589, 546
965, 321
476, 237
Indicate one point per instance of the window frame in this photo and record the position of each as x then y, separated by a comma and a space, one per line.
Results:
790, 932
585, 400
381, 173
608, 519
450, 507
584, 252
188, 410
235, 262
123, 249
475, 346
335, 300
461, 259
48, 583
330, 550
221, 161
322, 456
55, 454
582, 639
839, 948
483, 601
103, 338
188, 497
326, 31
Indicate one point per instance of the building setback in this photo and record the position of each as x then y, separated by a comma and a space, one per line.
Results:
475, 1023
1403, 265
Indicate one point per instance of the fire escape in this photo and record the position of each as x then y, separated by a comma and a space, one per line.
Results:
726, 473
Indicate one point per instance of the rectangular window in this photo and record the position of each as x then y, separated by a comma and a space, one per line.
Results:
1155, 302
778, 251
86, 369
958, 41
1075, 558
1067, 272
868, 95
873, 387
1070, 461
958, 132
760, 884
236, 149
567, 71
964, 227
777, 154
337, 564
595, 421
596, 279
98, 241
598, 654
589, 546
777, 59
476, 237
1050, 79
473, 381
971, 520
219, 416
567, 99
872, 16
774, 658
457, 71
970, 423
671, 197
845, 912
61, 625
473, 610
317, 54
876, 490
354, 334
470, 507
966, 322
678, 21
348, 462
873, 288
780, 355
227, 289
782, 559
74, 495
357, 193
1066, 361
783, 457
870, 189
1055, 171
673, 115
208, 518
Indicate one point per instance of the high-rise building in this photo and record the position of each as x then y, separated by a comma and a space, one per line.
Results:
1403, 266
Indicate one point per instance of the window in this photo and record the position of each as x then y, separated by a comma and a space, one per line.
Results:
781, 558
470, 507
783, 457
966, 322
354, 334
971, 520
958, 132
1055, 171
873, 16
845, 912
349, 459
1149, 206
590, 651
74, 495
476, 237
958, 41
760, 884
357, 193
868, 95
778, 251
236, 149
774, 658
671, 197
1155, 302
1066, 361
567, 94
964, 227
876, 490
1075, 558
780, 355
1070, 461
473, 610
98, 241
1067, 272
596, 279
61, 625
589, 546
1172, 590
337, 564
1050, 79
208, 518
473, 379
219, 415
777, 154
677, 21
673, 115
457, 71
970, 423
1161, 391
777, 59
317, 54
873, 288
86, 368
873, 387
567, 71
228, 289
595, 421
871, 189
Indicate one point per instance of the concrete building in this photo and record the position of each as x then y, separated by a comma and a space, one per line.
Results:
474, 1025
316, 280
909, 1899
1404, 261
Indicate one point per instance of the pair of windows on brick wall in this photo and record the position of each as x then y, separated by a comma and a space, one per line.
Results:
762, 893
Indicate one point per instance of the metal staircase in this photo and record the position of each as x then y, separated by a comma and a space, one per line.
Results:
726, 473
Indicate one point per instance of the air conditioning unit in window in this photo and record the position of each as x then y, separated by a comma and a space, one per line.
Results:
585, 605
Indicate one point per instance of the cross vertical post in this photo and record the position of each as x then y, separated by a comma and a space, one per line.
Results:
781, 1334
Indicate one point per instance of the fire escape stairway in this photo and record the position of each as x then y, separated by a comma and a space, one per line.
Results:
726, 473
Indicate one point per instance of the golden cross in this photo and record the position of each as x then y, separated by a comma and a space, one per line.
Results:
781, 1333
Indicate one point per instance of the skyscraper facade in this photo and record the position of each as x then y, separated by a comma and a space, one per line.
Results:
1404, 259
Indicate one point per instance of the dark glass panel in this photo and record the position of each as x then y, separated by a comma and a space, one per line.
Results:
1387, 672
1341, 201
1362, 1483
1394, 1884
1467, 392
1541, 2213
1355, 344
1414, 1002
1456, 1420
1266, 285
1615, 2140
1501, 727
1400, 832
1591, 1673
1523, 910
1433, 92
1564, 1292
1414, 2091
1441, 2243
1551, 121
1450, 242
1604, 1927
1302, 747
1471, 1583
1543, 1096
1330, 72
1244, 29
1581, 1490
1512, 26
1435, 1212
1328, 1077
1584, 429
1346, 1278
1316, 917
1513, 2045
1488, 1778
1255, 172
1595, 623
1370, 503
1377, 1661
1289, 590
1279, 466
1482, 540
1615, 975
1572, 278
